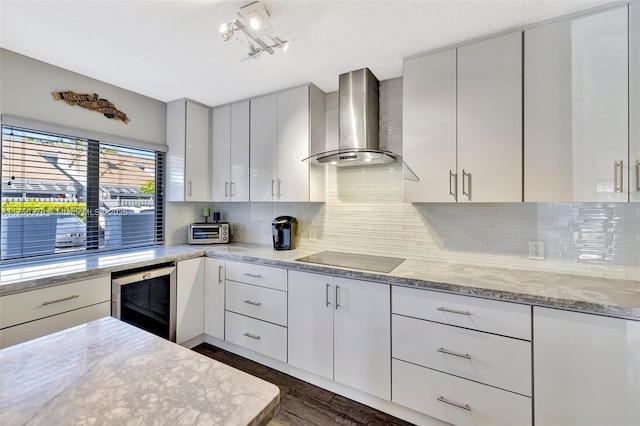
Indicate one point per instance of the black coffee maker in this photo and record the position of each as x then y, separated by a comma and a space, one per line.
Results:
285, 233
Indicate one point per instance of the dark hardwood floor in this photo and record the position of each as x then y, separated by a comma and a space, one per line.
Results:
302, 403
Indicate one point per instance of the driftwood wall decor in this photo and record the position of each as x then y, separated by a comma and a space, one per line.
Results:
92, 102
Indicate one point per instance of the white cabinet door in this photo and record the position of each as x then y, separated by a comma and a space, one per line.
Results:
634, 101
586, 369
293, 145
429, 126
190, 299
239, 184
490, 120
221, 153
197, 153
576, 122
214, 288
264, 148
311, 322
362, 336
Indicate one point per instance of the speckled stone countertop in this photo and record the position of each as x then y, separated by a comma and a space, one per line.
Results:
107, 372
605, 296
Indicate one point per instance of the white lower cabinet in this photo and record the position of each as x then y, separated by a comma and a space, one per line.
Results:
214, 289
339, 329
256, 335
586, 369
35, 313
456, 400
190, 299
461, 359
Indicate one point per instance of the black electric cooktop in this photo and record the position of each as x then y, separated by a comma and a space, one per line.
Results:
354, 261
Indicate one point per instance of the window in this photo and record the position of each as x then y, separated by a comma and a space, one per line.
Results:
62, 194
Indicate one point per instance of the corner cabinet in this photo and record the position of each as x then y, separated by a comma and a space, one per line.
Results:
339, 329
190, 299
230, 152
462, 123
214, 293
586, 369
634, 101
188, 156
285, 128
576, 108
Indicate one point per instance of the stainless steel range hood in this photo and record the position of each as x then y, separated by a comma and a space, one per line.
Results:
358, 110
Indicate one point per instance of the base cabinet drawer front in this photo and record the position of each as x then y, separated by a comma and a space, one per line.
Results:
456, 400
498, 361
258, 302
31, 330
492, 316
264, 276
35, 304
258, 336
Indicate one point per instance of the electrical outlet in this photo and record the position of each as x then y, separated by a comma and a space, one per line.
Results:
312, 234
536, 250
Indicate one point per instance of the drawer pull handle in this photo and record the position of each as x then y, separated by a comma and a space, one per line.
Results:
251, 302
453, 311
455, 404
444, 351
51, 302
253, 336
253, 275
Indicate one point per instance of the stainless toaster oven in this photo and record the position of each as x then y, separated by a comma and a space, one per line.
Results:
209, 233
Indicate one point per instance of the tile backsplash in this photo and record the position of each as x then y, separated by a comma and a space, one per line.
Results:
364, 212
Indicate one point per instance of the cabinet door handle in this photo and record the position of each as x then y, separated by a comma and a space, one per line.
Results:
279, 193
453, 177
455, 404
253, 336
466, 191
253, 275
453, 311
326, 295
618, 171
226, 189
444, 351
189, 191
273, 193
637, 175
337, 305
251, 302
51, 302
219, 274
233, 193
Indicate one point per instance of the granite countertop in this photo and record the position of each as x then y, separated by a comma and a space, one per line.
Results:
605, 296
109, 372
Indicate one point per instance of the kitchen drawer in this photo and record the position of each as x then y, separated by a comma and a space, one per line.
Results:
264, 276
35, 304
495, 360
492, 316
257, 302
420, 388
30, 330
258, 336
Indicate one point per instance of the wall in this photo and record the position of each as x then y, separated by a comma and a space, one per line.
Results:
364, 212
25, 91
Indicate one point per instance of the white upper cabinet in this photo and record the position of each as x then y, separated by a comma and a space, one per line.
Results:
634, 101
429, 126
230, 152
188, 156
576, 118
462, 123
285, 127
490, 120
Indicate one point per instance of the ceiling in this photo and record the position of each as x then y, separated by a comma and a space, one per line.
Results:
172, 49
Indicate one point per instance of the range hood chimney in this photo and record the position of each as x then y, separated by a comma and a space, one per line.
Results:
358, 110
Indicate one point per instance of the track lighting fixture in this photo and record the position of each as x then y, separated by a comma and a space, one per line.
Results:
254, 23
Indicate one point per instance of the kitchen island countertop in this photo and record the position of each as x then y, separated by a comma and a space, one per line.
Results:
109, 372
